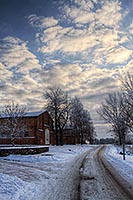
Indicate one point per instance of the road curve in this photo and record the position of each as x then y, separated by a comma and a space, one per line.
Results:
96, 181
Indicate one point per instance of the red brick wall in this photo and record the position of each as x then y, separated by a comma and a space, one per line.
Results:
36, 130
31, 123
19, 141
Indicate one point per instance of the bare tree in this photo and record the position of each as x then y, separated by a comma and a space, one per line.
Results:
58, 105
90, 131
81, 121
87, 127
63, 118
127, 87
12, 122
127, 83
113, 112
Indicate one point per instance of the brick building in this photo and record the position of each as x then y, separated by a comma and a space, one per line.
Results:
70, 137
39, 130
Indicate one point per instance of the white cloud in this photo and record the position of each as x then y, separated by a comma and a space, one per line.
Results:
85, 18
85, 4
102, 33
131, 28
79, 15
109, 14
14, 52
108, 38
28, 65
128, 67
4, 73
84, 80
97, 40
19, 70
65, 76
42, 22
69, 44
118, 55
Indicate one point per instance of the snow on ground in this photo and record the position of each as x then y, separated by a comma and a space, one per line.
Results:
123, 167
30, 177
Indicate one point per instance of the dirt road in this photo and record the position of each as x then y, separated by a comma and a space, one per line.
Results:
96, 182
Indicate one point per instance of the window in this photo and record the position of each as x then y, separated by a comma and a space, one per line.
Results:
26, 134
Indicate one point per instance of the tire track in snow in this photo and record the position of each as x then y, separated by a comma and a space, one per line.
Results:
68, 182
96, 182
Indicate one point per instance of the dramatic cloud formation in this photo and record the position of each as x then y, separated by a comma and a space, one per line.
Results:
18, 67
83, 46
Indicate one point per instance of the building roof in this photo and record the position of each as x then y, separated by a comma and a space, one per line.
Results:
34, 114
29, 114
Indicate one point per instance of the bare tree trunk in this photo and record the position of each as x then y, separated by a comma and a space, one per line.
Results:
91, 140
56, 129
61, 137
56, 135
123, 147
120, 140
81, 132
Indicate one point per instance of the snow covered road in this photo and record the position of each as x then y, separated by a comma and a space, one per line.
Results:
97, 183
68, 182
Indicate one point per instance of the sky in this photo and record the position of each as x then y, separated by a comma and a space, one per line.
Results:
83, 46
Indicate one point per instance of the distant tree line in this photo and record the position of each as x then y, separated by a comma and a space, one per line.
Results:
117, 110
105, 141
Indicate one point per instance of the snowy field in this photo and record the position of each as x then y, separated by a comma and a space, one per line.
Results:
30, 177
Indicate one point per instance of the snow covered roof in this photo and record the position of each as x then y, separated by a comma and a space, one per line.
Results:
35, 114
29, 114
